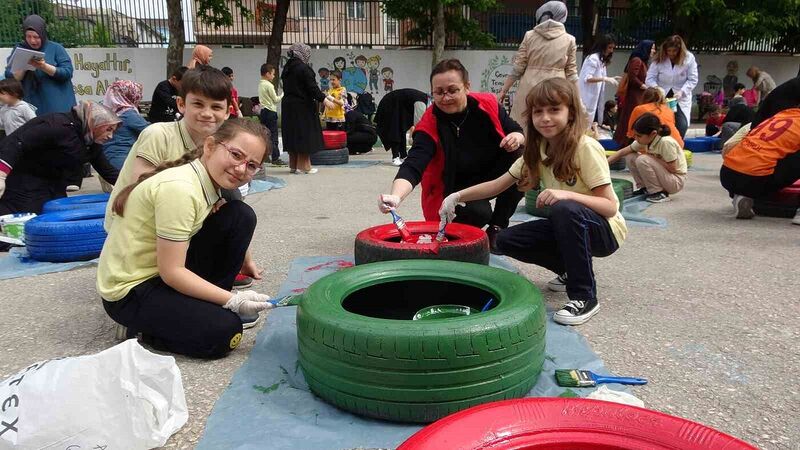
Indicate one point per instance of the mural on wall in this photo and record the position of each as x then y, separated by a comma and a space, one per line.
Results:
494, 75
91, 78
360, 73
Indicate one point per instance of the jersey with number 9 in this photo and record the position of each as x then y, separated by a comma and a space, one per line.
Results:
762, 148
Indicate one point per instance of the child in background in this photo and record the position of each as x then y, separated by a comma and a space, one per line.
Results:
235, 110
269, 100
656, 160
585, 219
610, 116
168, 265
334, 117
714, 120
738, 95
14, 111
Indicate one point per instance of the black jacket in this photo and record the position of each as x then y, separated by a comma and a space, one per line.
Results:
163, 107
51, 147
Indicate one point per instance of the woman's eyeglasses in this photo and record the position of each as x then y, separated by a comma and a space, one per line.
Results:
452, 92
239, 158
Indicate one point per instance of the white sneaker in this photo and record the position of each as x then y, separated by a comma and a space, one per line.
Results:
73, 188
397, 161
743, 206
558, 284
796, 219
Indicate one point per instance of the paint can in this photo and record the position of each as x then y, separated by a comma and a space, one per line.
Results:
13, 227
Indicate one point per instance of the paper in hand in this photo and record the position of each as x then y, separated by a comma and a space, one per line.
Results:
20, 59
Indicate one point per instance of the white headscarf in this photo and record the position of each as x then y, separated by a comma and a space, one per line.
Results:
554, 10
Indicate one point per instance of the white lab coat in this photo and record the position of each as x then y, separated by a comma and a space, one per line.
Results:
681, 79
593, 94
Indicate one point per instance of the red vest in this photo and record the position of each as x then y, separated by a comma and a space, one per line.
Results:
432, 179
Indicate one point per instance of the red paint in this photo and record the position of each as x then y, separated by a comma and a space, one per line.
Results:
334, 139
457, 235
567, 423
339, 264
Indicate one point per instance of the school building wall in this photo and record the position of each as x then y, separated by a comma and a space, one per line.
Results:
95, 68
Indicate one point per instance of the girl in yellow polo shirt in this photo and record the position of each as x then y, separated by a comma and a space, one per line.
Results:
584, 219
168, 264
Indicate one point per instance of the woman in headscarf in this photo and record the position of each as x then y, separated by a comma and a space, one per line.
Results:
547, 51
633, 88
48, 86
122, 98
37, 159
201, 55
301, 129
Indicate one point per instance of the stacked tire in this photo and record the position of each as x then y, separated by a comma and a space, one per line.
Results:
335, 149
70, 229
420, 371
623, 188
783, 203
619, 165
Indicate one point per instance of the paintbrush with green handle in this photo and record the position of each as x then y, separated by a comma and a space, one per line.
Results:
586, 378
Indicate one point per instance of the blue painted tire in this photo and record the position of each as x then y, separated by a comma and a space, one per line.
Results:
74, 202
72, 235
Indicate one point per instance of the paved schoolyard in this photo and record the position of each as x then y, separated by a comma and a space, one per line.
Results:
706, 308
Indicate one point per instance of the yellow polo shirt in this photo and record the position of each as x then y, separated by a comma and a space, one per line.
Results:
171, 205
666, 148
592, 171
158, 143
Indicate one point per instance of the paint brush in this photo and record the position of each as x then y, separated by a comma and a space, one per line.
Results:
286, 300
405, 235
586, 378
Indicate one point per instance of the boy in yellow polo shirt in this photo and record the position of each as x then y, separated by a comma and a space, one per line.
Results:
334, 117
168, 265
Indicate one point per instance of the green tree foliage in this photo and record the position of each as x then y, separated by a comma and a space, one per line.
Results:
102, 36
218, 12
422, 14
706, 24
67, 31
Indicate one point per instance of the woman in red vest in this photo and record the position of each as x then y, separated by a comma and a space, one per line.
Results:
464, 138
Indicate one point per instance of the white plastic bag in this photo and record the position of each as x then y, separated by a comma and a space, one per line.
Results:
123, 397
604, 393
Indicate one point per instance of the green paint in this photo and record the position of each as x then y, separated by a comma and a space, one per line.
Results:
267, 390
569, 393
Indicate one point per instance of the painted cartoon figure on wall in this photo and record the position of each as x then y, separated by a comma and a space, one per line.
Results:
388, 79
324, 81
731, 78
373, 63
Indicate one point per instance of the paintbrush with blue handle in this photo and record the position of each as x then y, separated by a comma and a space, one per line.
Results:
586, 378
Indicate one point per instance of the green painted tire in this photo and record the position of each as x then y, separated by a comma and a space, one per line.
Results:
420, 371
623, 188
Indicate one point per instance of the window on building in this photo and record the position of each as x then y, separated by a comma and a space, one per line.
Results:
312, 8
355, 10
392, 26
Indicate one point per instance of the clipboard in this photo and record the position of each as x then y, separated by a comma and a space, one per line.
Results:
20, 58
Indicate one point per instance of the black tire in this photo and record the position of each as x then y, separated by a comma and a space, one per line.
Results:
72, 235
75, 202
774, 209
381, 243
619, 165
420, 371
330, 157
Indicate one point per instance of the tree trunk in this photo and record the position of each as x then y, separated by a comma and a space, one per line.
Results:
276, 37
177, 38
439, 33
587, 11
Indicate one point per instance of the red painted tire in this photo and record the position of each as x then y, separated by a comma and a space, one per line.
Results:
382, 243
783, 203
567, 423
334, 139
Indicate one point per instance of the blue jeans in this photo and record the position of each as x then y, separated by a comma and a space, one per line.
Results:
564, 243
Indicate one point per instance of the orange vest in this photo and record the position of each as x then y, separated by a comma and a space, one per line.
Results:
773, 140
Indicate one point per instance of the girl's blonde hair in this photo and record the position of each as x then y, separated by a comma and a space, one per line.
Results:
654, 95
561, 155
229, 129
673, 41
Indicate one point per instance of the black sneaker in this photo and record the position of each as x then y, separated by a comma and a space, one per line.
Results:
279, 162
640, 191
576, 312
492, 231
558, 284
658, 197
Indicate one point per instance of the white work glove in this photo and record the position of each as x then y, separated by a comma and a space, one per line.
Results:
388, 202
248, 303
2, 182
612, 81
447, 212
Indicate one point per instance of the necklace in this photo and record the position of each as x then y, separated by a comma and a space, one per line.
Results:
458, 127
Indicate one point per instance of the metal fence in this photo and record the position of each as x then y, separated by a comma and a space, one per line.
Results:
323, 23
